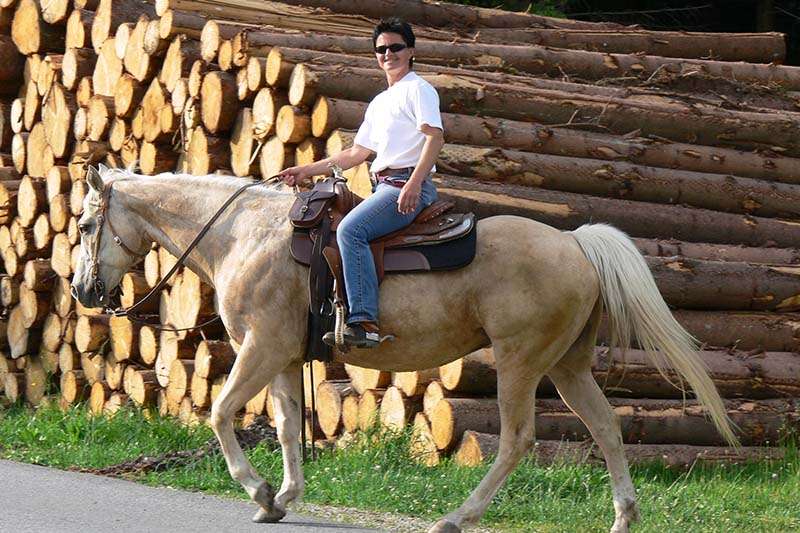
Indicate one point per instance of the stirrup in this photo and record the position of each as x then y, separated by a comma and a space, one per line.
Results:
356, 336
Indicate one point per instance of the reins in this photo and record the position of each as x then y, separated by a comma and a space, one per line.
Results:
130, 312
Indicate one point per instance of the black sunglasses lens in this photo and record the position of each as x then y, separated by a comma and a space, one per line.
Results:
394, 48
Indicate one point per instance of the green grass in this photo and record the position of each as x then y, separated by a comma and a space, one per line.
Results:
752, 498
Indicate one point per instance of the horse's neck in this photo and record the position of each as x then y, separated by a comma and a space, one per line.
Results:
172, 211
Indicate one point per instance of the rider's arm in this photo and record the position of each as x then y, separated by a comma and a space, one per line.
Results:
434, 140
349, 158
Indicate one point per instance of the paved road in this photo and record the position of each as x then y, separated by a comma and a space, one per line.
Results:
36, 499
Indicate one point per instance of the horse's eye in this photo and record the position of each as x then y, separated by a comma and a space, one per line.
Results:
83, 228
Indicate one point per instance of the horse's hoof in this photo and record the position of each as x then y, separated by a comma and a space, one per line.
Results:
268, 517
444, 526
265, 495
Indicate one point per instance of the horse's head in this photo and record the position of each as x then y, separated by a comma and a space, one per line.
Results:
108, 250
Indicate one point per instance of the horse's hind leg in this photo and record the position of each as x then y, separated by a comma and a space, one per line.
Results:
286, 392
251, 372
573, 378
517, 379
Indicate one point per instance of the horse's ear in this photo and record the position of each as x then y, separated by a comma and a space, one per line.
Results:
101, 168
94, 180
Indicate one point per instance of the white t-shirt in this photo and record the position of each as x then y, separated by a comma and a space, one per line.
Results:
392, 123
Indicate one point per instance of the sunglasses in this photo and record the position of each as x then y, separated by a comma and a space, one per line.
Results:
394, 48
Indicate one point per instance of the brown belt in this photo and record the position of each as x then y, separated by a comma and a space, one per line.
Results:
389, 172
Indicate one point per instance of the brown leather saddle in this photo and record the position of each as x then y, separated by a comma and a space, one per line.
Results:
437, 240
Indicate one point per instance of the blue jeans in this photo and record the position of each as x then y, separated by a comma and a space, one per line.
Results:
374, 217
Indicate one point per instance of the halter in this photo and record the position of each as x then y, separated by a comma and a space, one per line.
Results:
102, 217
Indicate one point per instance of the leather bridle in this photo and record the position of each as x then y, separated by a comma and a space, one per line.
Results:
99, 285
102, 218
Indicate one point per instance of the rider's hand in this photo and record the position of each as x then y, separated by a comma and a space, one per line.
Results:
294, 175
409, 197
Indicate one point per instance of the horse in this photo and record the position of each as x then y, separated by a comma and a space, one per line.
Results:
532, 292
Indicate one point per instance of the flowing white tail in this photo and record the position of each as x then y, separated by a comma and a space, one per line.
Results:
634, 304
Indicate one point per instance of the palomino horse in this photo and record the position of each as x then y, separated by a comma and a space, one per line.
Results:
532, 292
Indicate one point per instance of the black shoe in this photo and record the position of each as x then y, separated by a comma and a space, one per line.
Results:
356, 336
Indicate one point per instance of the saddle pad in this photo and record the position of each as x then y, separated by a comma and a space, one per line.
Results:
448, 255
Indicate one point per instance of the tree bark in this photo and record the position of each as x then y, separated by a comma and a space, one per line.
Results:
735, 374
642, 421
716, 252
211, 36
476, 448
717, 192
697, 284
331, 113
639, 219
743, 330
750, 47
652, 115
173, 23
452, 16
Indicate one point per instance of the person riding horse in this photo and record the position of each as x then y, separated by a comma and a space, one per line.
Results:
403, 127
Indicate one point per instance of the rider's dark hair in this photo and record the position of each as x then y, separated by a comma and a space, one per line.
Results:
395, 25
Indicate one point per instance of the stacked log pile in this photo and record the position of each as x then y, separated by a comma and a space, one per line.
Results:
686, 141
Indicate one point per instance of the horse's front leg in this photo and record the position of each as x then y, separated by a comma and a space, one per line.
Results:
286, 393
252, 370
